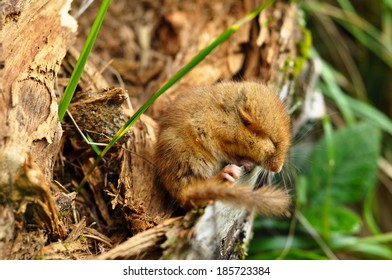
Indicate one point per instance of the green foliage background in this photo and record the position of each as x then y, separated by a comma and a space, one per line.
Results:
337, 188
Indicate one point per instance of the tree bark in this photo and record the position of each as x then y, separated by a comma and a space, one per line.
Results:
34, 39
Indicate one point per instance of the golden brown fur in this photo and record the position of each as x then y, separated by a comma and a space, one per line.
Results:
207, 128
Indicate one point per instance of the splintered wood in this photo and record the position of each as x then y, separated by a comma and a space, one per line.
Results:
126, 180
30, 132
120, 212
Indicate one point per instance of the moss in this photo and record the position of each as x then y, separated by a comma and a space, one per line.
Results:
240, 250
304, 47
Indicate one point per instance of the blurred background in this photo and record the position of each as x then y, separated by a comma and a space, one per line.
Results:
343, 171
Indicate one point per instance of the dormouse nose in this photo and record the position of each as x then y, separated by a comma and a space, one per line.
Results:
274, 164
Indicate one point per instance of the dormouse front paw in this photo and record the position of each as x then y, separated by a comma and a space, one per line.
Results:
231, 172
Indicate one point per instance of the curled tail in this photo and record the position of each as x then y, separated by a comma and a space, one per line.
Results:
267, 200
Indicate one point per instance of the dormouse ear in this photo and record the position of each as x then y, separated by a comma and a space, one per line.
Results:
245, 117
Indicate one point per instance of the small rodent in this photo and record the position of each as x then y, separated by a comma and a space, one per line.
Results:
210, 134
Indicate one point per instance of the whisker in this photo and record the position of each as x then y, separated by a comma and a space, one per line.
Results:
284, 179
305, 130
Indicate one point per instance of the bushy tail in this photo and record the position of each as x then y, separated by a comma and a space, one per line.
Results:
267, 200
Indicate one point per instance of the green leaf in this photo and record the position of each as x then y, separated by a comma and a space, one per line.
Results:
302, 247
367, 34
331, 88
388, 3
340, 219
372, 251
350, 106
302, 185
265, 223
77, 72
356, 152
294, 254
95, 148
365, 247
370, 114
276, 244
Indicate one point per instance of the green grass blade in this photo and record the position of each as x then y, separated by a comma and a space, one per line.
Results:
328, 132
331, 89
386, 20
368, 213
369, 113
351, 107
380, 238
312, 232
365, 33
74, 80
95, 148
182, 72
371, 247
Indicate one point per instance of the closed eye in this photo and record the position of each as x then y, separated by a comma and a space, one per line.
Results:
274, 143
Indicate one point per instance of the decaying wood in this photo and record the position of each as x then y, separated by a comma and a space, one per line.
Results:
132, 190
221, 233
145, 245
34, 39
120, 213
74, 246
145, 206
192, 236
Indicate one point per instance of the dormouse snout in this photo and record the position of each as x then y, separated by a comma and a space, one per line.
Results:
274, 165
276, 168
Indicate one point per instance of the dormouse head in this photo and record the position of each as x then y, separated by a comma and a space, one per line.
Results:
263, 127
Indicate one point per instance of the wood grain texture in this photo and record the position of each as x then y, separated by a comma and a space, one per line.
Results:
34, 39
